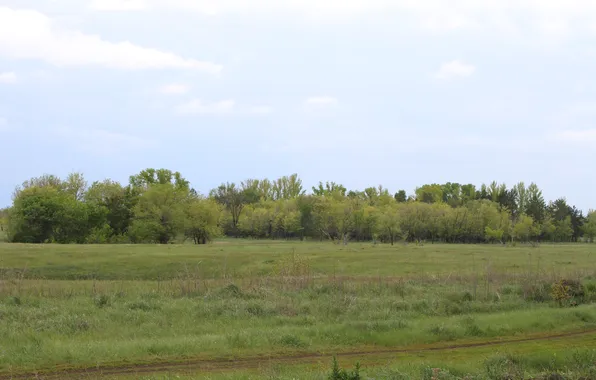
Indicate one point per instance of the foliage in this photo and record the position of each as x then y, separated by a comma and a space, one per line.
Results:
159, 205
202, 217
341, 374
159, 214
567, 292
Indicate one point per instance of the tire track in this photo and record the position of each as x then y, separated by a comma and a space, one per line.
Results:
254, 362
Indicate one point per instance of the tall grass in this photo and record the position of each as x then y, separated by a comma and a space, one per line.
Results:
298, 304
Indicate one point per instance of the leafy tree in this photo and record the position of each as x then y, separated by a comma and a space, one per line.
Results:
401, 197
388, 225
233, 199
330, 189
148, 177
523, 229
202, 217
4, 219
429, 193
159, 214
563, 229
589, 227
522, 196
536, 206
48, 214
118, 202
287, 187
75, 185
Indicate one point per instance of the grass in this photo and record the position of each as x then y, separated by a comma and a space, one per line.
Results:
88, 306
259, 258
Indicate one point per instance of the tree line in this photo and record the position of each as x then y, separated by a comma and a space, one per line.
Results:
160, 206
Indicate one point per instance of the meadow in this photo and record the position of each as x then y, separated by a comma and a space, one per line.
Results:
241, 309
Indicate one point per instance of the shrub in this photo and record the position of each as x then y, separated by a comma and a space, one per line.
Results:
341, 374
568, 292
504, 368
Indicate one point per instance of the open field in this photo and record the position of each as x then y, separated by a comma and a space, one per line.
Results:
282, 310
245, 258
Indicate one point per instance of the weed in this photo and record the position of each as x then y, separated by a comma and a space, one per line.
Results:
341, 374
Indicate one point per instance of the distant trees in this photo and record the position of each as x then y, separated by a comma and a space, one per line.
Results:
160, 206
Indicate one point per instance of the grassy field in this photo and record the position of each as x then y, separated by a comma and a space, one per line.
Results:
243, 259
243, 309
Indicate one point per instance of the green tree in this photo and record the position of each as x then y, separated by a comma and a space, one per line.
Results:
563, 229
524, 229
536, 206
401, 197
589, 227
148, 177
388, 226
159, 214
233, 199
429, 193
118, 202
49, 214
330, 189
202, 220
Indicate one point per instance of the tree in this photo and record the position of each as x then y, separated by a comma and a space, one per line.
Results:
523, 229
117, 200
75, 185
536, 206
287, 187
429, 193
522, 196
232, 198
589, 227
148, 177
401, 197
4, 219
202, 217
563, 229
388, 225
159, 215
330, 189
49, 214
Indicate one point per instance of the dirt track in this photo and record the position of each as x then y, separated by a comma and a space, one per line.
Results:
197, 365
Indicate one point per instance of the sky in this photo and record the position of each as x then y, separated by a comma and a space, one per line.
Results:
396, 93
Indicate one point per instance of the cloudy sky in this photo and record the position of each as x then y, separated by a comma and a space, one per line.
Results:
361, 92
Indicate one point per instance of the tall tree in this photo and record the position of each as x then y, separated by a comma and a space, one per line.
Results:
202, 218
117, 200
589, 227
401, 197
159, 214
232, 198
536, 206
429, 193
148, 177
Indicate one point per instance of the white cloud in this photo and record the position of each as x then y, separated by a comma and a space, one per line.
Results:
118, 5
455, 69
322, 101
28, 34
548, 18
8, 78
103, 142
260, 110
175, 89
575, 136
198, 106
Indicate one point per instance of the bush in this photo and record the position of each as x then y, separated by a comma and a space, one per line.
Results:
504, 368
568, 292
341, 374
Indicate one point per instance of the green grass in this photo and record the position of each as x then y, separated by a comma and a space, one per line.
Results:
259, 258
271, 299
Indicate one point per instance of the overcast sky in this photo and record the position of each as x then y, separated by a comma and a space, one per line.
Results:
361, 92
